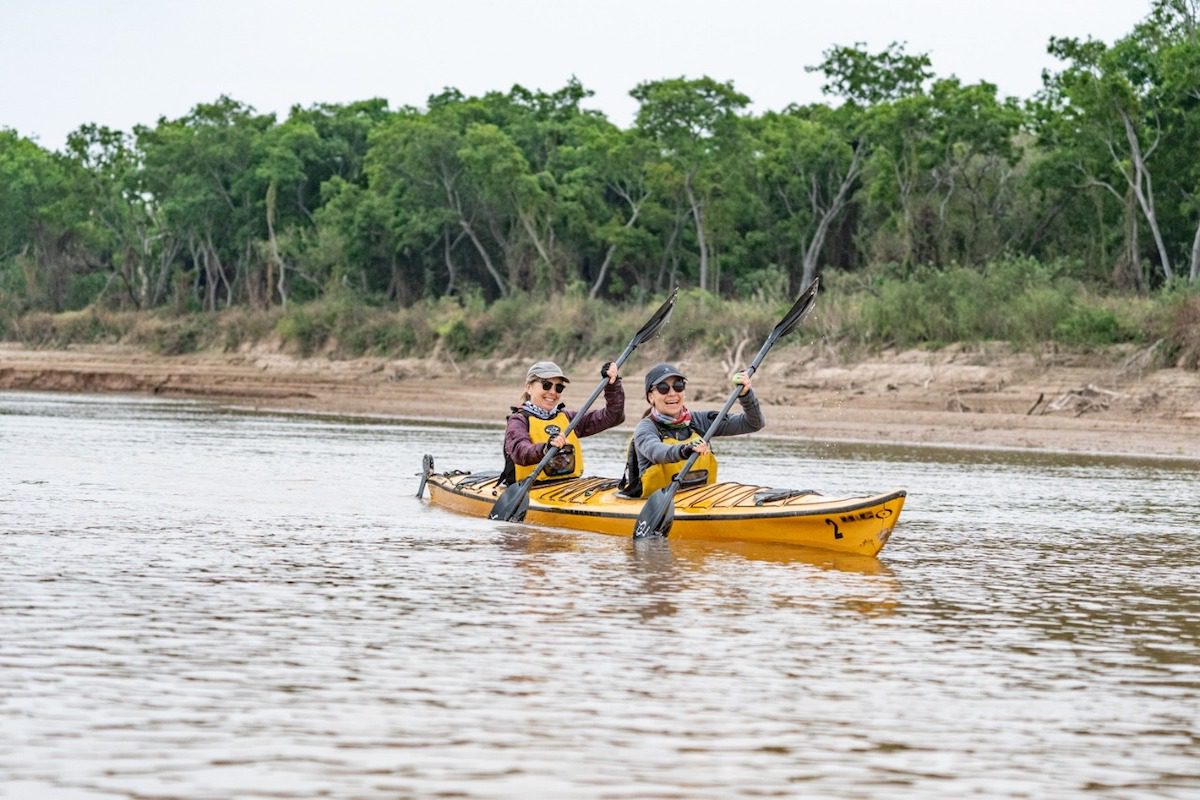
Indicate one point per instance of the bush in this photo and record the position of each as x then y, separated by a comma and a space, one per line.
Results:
1183, 335
1020, 301
83, 290
305, 328
1087, 326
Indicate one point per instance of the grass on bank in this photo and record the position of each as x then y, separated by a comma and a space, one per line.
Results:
1022, 302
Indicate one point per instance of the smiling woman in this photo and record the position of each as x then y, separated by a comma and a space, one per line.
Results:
538, 424
670, 433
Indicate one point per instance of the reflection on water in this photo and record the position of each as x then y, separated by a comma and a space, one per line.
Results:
197, 603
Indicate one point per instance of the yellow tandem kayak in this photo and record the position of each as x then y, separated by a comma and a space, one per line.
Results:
717, 512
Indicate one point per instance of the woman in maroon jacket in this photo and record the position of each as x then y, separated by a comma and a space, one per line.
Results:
538, 424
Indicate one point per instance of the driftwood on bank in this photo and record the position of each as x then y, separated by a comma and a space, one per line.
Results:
1080, 401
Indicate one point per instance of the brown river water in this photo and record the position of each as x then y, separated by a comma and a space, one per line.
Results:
205, 603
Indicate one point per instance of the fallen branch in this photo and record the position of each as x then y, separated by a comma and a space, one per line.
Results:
1081, 401
1036, 403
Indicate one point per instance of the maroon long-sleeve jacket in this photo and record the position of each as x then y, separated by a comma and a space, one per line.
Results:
522, 451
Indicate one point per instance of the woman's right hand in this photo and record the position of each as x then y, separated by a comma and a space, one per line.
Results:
558, 441
742, 378
695, 447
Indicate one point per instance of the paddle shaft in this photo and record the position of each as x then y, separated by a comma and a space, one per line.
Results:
720, 418
512, 503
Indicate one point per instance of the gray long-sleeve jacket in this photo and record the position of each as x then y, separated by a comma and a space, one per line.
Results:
653, 450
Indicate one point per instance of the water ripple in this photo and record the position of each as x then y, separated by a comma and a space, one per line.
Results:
201, 604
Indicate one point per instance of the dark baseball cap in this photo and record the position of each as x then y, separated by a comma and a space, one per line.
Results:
661, 372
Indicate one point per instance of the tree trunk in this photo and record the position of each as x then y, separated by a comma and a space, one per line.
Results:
166, 259
455, 203
668, 252
451, 271
608, 256
216, 272
698, 217
487, 259
1127, 273
527, 224
817, 243
275, 265
1144, 191
1194, 272
907, 221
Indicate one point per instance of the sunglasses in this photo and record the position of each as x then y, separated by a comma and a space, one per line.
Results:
558, 387
679, 384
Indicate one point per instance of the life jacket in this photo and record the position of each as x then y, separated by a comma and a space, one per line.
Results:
566, 463
636, 483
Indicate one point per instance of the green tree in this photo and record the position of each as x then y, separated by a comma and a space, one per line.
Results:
806, 170
693, 122
972, 163
415, 169
202, 170
894, 128
44, 245
332, 165
602, 191
1173, 29
139, 247
1120, 114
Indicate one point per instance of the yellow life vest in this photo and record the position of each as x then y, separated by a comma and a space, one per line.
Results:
703, 471
567, 462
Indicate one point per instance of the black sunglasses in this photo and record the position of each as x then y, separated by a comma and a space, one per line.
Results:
558, 387
679, 384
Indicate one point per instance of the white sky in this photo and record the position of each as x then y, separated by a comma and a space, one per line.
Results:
119, 63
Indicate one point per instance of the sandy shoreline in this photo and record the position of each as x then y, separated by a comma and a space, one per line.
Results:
974, 398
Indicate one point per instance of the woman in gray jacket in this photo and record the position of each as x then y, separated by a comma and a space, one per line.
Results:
670, 432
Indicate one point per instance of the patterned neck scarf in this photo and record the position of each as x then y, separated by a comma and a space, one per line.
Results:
540, 412
681, 421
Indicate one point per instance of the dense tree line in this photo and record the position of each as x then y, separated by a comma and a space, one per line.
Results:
527, 192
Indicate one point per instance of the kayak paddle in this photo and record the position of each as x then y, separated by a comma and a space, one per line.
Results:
659, 511
426, 469
514, 502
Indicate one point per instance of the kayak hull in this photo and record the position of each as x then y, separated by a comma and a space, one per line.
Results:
733, 512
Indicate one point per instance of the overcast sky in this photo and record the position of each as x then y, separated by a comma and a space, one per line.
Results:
120, 63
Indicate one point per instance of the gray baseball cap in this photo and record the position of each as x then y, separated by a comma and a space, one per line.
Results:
546, 369
661, 372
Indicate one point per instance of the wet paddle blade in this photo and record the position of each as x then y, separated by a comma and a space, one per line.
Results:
426, 469
512, 505
657, 514
655, 322
799, 310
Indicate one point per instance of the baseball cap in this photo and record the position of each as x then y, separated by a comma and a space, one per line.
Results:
546, 369
660, 372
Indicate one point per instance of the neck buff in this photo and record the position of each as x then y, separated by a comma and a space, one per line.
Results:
538, 411
681, 421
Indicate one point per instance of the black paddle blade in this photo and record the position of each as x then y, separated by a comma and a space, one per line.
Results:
426, 469
655, 322
799, 310
512, 505
657, 514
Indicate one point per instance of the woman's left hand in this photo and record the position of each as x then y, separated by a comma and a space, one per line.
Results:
609, 370
744, 379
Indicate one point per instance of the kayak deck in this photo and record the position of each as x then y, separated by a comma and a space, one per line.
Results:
716, 512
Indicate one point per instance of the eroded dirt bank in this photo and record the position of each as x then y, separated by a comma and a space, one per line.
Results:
968, 397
